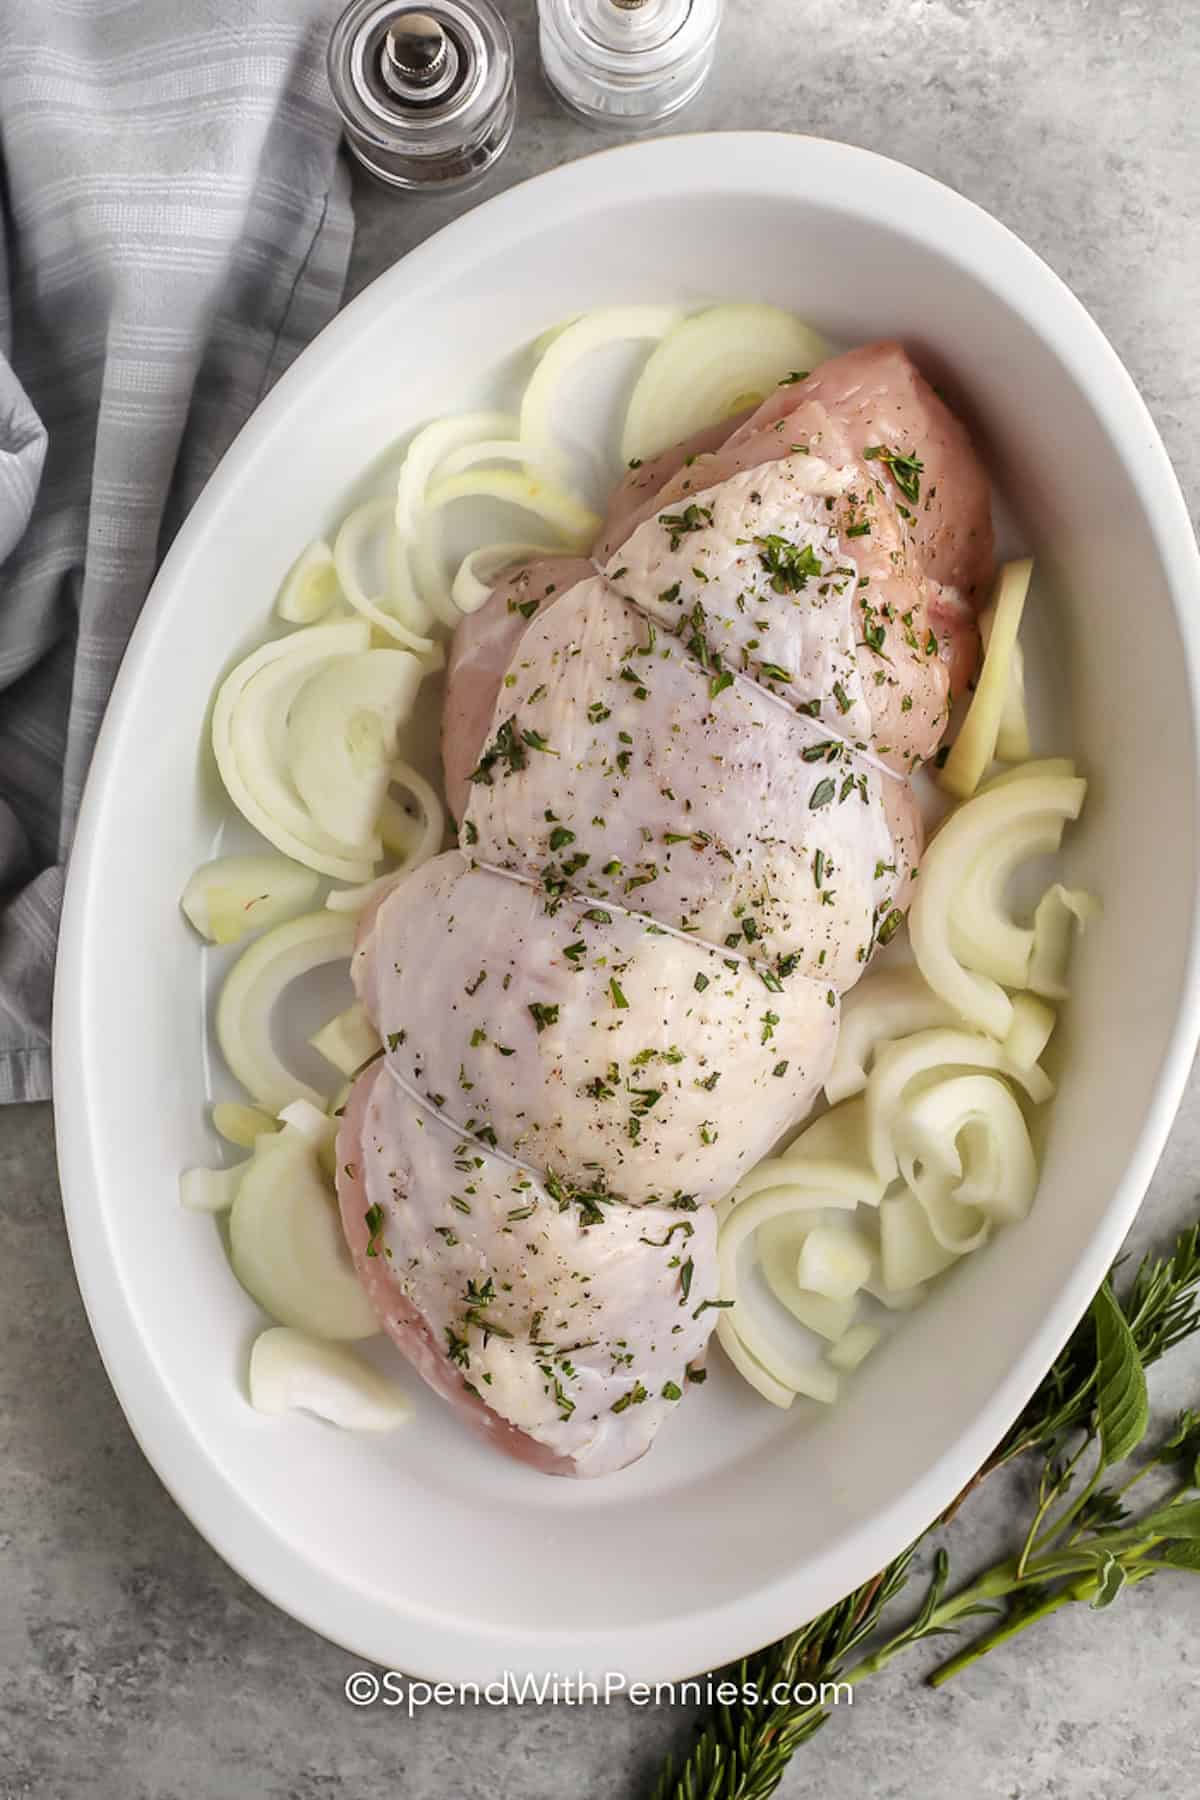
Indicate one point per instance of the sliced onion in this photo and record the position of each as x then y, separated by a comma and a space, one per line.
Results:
969, 833
286, 1244
251, 990
888, 1003
551, 334
749, 1367
894, 1299
713, 365
971, 1129
1031, 1030
479, 571
210, 1190
779, 1362
242, 1125
232, 895
1059, 767
420, 532
413, 841
431, 446
248, 728
983, 936
957, 1227
832, 1263
374, 516
355, 900
975, 745
909, 1252
545, 457
827, 1161
342, 733
930, 1053
853, 1348
778, 1253
575, 523
310, 586
1013, 742
349, 1040
312, 1122
292, 1372
609, 325
1060, 912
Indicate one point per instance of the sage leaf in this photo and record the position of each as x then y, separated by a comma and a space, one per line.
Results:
1109, 1584
1180, 1556
1122, 1409
1181, 1520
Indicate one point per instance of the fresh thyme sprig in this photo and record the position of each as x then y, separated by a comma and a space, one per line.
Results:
1081, 1545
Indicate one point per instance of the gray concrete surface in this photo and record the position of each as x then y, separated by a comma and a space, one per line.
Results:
133, 1664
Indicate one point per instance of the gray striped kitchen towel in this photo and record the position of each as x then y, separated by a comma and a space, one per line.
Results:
176, 226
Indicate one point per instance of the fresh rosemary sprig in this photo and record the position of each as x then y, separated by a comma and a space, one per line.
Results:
1081, 1545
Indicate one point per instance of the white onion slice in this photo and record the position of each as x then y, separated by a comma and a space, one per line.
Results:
909, 1252
1060, 912
544, 457
967, 834
1060, 767
551, 334
292, 1372
1031, 1030
931, 1053
608, 325
975, 745
242, 1125
417, 529
210, 1190
431, 446
479, 571
349, 1040
983, 935
832, 1263
957, 1227
777, 1250
713, 365
827, 1161
1013, 741
248, 726
355, 900
232, 895
853, 1348
310, 586
251, 990
749, 1367
313, 1124
575, 523
342, 734
412, 841
373, 516
779, 1362
888, 1003
286, 1244
895, 1300
971, 1129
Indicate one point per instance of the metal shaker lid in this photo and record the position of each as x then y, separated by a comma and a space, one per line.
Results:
426, 92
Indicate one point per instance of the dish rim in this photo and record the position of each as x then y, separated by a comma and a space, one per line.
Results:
668, 1649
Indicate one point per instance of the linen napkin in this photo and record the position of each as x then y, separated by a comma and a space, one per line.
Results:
176, 227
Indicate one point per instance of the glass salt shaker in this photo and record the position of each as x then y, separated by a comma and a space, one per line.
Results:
426, 92
628, 63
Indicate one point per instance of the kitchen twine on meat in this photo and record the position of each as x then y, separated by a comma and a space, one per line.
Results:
856, 751
365, 1688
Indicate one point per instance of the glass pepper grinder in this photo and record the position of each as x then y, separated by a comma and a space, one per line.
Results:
628, 63
426, 92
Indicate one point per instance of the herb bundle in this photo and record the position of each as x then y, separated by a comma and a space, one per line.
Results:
1084, 1543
